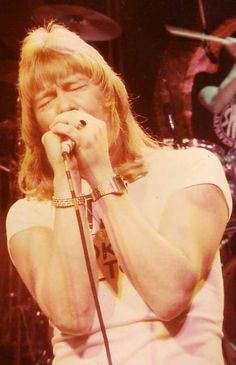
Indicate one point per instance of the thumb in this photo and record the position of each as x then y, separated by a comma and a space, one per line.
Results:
52, 146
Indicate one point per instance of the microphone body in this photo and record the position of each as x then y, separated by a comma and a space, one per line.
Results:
67, 146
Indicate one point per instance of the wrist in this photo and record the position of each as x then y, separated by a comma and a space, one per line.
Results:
113, 185
100, 177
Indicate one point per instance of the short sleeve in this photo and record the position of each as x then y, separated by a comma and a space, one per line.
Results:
203, 167
26, 213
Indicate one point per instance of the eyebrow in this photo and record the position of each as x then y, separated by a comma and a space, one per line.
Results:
70, 80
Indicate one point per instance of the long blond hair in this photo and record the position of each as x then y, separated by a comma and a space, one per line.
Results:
52, 51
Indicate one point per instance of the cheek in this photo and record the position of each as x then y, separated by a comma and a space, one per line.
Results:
44, 119
96, 103
99, 109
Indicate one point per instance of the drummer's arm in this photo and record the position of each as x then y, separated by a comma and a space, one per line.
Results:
216, 98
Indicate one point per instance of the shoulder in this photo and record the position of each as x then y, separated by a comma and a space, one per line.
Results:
200, 165
183, 168
182, 158
26, 213
32, 205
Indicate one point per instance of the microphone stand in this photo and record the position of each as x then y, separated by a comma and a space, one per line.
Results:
65, 155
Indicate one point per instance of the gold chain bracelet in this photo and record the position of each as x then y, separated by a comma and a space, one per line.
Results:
68, 202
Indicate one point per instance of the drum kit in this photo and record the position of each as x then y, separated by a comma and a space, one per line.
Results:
94, 26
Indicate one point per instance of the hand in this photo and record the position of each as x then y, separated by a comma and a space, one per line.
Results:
52, 146
92, 148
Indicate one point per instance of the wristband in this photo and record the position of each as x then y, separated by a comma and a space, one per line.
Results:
115, 185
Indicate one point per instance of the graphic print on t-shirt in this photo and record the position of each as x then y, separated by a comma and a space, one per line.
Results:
224, 125
110, 272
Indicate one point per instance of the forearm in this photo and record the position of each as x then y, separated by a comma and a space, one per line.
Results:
151, 262
69, 284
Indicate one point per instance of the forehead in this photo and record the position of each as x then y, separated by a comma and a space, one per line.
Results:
61, 81
50, 69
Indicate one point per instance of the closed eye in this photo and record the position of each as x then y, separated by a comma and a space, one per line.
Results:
45, 102
76, 86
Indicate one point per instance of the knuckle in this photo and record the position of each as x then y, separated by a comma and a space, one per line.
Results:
69, 128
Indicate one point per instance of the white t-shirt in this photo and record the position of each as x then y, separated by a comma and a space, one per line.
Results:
135, 335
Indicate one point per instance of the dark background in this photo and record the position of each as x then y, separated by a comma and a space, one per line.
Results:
137, 53
145, 55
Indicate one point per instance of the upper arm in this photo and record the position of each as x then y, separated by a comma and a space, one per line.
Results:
30, 254
195, 218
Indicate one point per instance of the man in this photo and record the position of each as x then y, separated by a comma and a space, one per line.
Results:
158, 218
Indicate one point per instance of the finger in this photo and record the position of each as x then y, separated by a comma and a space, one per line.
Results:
73, 117
50, 141
76, 123
66, 130
46, 137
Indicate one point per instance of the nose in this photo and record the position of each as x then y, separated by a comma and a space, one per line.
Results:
65, 101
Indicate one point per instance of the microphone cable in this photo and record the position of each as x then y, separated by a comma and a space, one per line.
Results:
66, 159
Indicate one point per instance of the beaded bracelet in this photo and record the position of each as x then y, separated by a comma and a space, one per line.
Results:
68, 202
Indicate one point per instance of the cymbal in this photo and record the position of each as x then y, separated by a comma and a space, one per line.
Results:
88, 23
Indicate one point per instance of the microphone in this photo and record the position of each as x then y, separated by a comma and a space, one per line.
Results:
67, 146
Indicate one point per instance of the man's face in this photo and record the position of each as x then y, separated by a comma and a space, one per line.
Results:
74, 92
